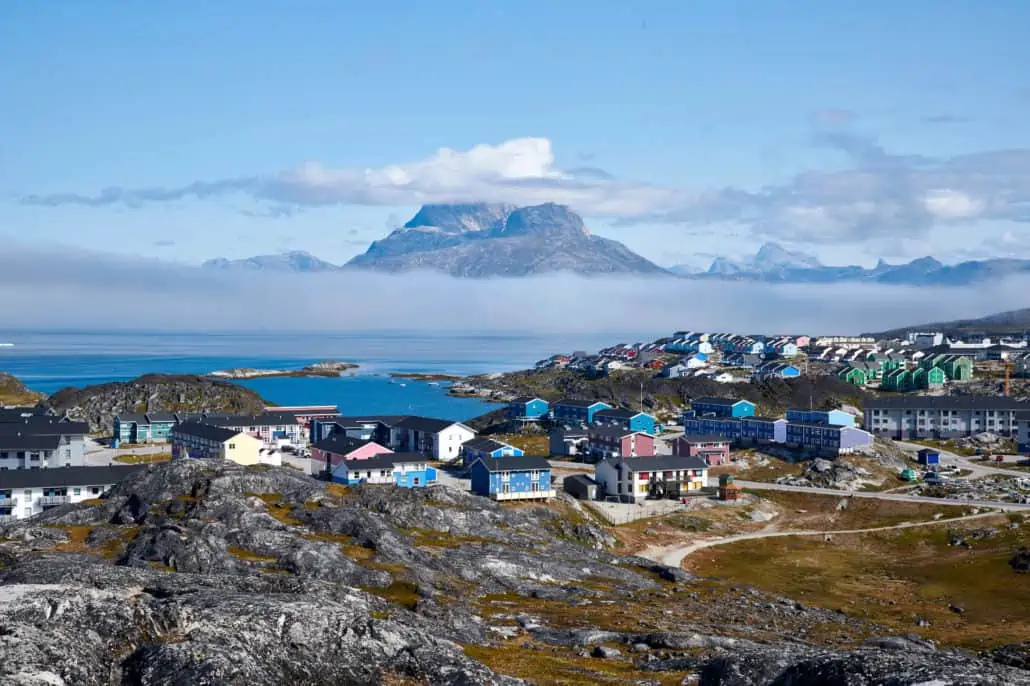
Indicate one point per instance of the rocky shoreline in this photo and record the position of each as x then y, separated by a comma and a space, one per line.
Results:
329, 368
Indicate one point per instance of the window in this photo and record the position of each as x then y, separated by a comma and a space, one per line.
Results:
77, 491
232, 446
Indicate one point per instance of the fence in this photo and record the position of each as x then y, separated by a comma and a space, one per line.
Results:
623, 513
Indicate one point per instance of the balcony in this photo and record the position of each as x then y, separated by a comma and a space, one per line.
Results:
8, 501
8, 519
53, 500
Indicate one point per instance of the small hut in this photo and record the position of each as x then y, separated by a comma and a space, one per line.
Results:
728, 489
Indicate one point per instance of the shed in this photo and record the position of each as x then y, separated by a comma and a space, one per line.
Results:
929, 457
581, 487
728, 489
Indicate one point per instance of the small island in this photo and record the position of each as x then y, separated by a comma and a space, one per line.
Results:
328, 368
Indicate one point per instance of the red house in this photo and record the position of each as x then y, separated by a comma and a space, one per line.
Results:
715, 450
605, 442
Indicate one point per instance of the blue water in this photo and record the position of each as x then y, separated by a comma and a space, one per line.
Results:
49, 361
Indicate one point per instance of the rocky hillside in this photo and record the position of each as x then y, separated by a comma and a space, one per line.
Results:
213, 573
14, 392
154, 392
500, 240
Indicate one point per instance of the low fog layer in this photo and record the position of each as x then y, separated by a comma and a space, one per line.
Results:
61, 288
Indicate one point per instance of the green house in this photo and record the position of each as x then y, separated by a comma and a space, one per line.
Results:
958, 368
934, 377
853, 376
898, 380
888, 363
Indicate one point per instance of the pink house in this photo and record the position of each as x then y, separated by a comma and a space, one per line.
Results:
612, 441
715, 450
336, 449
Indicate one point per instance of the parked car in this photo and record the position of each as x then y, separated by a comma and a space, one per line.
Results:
999, 458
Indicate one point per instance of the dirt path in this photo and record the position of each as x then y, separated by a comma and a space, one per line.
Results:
673, 555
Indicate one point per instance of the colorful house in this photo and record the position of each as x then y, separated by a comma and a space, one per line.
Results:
526, 408
763, 430
828, 440
728, 427
898, 380
667, 476
627, 419
150, 427
193, 440
777, 370
853, 375
577, 411
512, 478
342, 448
613, 441
407, 470
486, 447
830, 417
722, 407
928, 377
714, 450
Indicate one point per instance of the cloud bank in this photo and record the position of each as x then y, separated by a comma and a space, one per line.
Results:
875, 194
90, 290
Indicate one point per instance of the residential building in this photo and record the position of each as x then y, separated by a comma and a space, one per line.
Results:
777, 370
714, 450
854, 375
526, 408
581, 486
20, 414
928, 378
568, 442
727, 427
41, 442
1023, 431
612, 441
832, 417
193, 440
271, 428
142, 428
920, 416
407, 470
898, 380
486, 447
650, 477
929, 457
675, 371
439, 439
368, 427
341, 448
28, 492
762, 430
577, 411
827, 439
722, 407
306, 414
626, 419
512, 478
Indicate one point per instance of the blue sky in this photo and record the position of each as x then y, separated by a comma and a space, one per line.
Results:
850, 130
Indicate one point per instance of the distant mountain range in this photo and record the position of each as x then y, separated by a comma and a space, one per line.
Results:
775, 264
478, 240
1010, 322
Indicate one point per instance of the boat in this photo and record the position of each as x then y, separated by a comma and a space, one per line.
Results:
434, 383
403, 385
6, 345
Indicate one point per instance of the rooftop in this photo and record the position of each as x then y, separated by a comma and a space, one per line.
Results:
205, 431
659, 463
514, 464
946, 402
67, 476
340, 444
483, 444
428, 425
705, 438
725, 402
384, 461
579, 402
29, 441
523, 399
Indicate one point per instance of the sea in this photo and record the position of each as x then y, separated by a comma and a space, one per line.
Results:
48, 361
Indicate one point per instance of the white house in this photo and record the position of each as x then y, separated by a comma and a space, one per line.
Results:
439, 439
28, 492
637, 478
41, 443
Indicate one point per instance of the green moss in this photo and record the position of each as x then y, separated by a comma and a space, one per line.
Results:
249, 555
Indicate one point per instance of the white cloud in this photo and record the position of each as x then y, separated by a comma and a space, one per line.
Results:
945, 203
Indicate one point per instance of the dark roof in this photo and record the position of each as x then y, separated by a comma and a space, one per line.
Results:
263, 419
611, 431
523, 399
578, 402
1023, 415
161, 416
946, 402
28, 441
705, 438
571, 433
484, 444
617, 413
759, 418
17, 414
67, 476
131, 418
384, 461
340, 444
358, 421
660, 463
211, 433
584, 479
726, 402
45, 426
513, 464
429, 425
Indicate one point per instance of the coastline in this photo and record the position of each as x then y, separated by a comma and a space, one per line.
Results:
327, 369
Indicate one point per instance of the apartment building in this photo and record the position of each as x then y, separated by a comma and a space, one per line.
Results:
42, 443
28, 492
193, 440
917, 416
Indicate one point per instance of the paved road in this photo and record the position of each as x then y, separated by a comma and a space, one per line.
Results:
975, 466
99, 455
673, 555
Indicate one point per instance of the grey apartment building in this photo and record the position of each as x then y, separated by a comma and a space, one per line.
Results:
920, 416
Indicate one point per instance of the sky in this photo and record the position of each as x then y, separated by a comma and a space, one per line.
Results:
186, 131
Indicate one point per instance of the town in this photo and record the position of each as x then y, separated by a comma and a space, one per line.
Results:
605, 452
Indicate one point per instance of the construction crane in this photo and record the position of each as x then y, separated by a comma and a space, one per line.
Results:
1008, 377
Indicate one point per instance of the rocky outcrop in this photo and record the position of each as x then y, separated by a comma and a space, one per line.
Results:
98, 404
212, 573
328, 368
14, 392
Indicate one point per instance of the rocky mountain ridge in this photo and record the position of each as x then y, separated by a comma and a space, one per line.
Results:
206, 572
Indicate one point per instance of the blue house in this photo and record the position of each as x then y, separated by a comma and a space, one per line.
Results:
763, 430
626, 419
486, 447
527, 408
723, 407
730, 428
777, 370
512, 478
151, 427
407, 470
576, 411
929, 457
830, 417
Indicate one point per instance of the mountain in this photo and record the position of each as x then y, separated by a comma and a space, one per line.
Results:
482, 240
1010, 322
775, 264
293, 261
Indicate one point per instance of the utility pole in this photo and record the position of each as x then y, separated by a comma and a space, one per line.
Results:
642, 396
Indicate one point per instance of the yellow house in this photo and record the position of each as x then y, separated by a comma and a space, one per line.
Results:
203, 441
